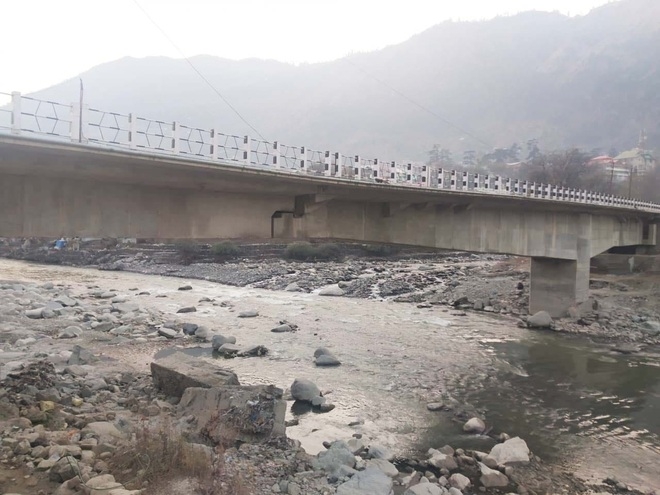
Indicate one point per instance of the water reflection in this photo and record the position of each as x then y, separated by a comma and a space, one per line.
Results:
549, 389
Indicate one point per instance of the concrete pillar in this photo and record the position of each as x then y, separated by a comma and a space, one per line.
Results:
558, 284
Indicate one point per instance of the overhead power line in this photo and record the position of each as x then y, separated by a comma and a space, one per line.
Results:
419, 105
210, 85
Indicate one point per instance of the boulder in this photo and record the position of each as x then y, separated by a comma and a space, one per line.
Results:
203, 333
513, 451
282, 328
327, 360
178, 371
440, 460
321, 350
491, 478
292, 287
168, 333
66, 301
339, 454
189, 328
187, 309
541, 319
70, 333
457, 480
252, 313
385, 466
228, 350
253, 414
380, 452
424, 489
333, 290
63, 470
304, 390
651, 328
217, 341
474, 425
371, 481
35, 314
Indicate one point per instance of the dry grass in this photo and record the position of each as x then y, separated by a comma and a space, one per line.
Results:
164, 462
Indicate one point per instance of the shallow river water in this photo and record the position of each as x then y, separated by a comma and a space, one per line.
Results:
576, 403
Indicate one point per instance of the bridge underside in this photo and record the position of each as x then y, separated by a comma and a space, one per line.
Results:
52, 191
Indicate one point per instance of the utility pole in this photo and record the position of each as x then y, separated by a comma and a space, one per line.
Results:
630, 182
80, 136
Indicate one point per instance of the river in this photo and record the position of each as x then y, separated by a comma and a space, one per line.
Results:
577, 404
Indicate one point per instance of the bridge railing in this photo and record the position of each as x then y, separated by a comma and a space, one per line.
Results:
26, 115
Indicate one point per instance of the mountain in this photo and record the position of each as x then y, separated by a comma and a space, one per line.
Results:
591, 81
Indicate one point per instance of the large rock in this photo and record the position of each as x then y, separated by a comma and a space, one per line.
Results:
327, 360
252, 414
219, 340
251, 313
424, 489
541, 319
339, 454
474, 425
63, 470
460, 481
333, 290
441, 460
371, 481
173, 374
492, 478
651, 328
512, 451
305, 390
385, 466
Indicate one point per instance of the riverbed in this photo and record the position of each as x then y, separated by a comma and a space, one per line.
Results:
579, 405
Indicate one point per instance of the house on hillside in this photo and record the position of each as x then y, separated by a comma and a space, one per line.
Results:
637, 160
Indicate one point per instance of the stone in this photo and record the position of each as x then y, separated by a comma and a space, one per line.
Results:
385, 466
185, 287
66, 301
491, 478
189, 328
513, 451
282, 328
305, 390
341, 474
63, 470
435, 406
228, 349
541, 319
70, 333
178, 371
105, 431
217, 341
254, 413
203, 333
368, 482
333, 290
253, 351
35, 314
337, 455
442, 461
126, 307
424, 489
81, 356
474, 425
356, 445
292, 287
320, 351
293, 489
651, 328
454, 491
168, 333
380, 452
248, 314
327, 360
187, 309
460, 481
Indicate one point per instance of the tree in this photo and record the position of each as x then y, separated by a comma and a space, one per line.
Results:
567, 169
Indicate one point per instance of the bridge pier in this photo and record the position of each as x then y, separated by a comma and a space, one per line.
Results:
556, 285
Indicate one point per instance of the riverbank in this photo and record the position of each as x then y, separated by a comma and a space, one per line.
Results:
397, 358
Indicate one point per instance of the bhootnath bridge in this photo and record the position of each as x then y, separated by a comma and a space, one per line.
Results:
78, 171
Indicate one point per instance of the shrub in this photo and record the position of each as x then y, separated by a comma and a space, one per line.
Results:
381, 250
226, 249
304, 251
188, 251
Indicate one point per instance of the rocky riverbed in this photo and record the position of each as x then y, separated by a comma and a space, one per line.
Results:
403, 366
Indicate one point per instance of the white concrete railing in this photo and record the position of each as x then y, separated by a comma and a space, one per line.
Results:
26, 115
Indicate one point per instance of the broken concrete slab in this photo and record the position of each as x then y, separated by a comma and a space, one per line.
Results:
249, 414
175, 373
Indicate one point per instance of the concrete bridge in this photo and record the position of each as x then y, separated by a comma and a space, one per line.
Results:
81, 182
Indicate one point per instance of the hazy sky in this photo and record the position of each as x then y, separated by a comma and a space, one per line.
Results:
43, 42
